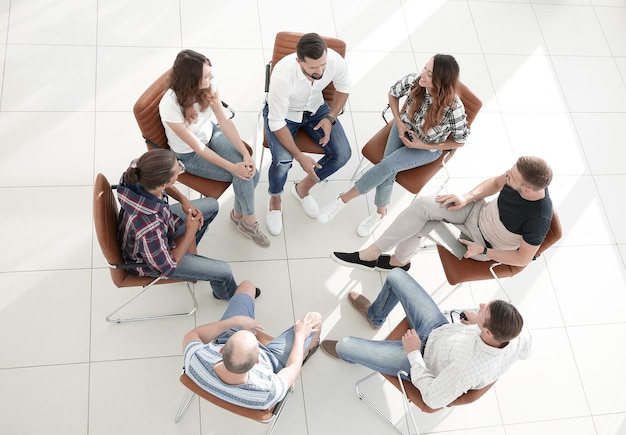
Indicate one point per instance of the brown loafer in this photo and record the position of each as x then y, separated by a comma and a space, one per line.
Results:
329, 347
361, 303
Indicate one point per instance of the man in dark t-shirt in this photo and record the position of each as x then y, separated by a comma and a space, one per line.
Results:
508, 230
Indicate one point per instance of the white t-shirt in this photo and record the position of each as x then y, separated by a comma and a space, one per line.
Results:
172, 112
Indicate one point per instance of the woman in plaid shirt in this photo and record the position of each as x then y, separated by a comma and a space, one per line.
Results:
432, 121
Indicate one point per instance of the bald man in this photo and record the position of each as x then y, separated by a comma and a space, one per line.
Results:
226, 359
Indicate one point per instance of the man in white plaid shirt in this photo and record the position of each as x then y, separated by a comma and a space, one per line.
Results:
444, 359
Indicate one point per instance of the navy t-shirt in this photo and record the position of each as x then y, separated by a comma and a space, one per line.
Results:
530, 219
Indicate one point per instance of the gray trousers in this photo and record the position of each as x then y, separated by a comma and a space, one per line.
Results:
418, 219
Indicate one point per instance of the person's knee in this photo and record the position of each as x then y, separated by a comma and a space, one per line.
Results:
398, 279
246, 287
344, 155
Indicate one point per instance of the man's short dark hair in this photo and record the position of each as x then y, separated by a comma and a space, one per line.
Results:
310, 45
536, 173
243, 366
504, 321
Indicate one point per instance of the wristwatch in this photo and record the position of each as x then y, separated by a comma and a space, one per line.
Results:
331, 118
485, 251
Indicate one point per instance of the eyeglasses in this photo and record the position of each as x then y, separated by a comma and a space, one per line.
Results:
182, 167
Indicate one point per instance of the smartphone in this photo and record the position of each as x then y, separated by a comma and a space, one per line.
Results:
408, 135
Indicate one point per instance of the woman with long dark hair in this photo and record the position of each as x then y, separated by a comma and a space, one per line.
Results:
433, 121
209, 150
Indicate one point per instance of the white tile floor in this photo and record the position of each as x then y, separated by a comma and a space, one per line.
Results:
551, 74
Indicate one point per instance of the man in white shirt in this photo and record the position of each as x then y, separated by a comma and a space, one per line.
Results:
295, 102
444, 359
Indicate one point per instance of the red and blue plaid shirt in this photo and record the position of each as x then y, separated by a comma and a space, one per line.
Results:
146, 229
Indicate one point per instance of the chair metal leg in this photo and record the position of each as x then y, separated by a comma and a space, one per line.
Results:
379, 412
499, 281
278, 410
363, 163
184, 405
110, 318
257, 140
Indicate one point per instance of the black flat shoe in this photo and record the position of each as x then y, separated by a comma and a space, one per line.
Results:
351, 259
383, 264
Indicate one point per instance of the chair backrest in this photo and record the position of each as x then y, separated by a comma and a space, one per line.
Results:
413, 393
146, 111
415, 179
263, 416
284, 44
105, 215
466, 269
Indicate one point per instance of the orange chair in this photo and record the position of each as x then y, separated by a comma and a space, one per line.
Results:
270, 415
466, 270
146, 111
284, 44
415, 179
409, 391
105, 215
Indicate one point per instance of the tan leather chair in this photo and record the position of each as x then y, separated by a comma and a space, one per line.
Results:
409, 391
284, 44
146, 112
270, 415
466, 270
415, 179
105, 215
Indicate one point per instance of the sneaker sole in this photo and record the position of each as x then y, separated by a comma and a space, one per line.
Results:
354, 265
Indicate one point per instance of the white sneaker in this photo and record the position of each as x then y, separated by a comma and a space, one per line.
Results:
308, 203
274, 221
328, 212
369, 224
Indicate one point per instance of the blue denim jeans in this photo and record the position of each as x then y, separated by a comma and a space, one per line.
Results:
198, 268
197, 165
396, 158
337, 151
422, 312
278, 349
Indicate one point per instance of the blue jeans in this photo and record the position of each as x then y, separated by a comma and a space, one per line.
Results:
197, 165
195, 267
396, 158
278, 349
422, 312
337, 151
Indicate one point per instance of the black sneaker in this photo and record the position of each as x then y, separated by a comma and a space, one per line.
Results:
257, 293
383, 264
351, 259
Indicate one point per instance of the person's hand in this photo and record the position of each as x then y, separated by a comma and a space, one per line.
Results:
473, 248
193, 223
411, 341
248, 323
472, 318
326, 127
309, 165
308, 324
249, 161
195, 213
451, 202
244, 170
